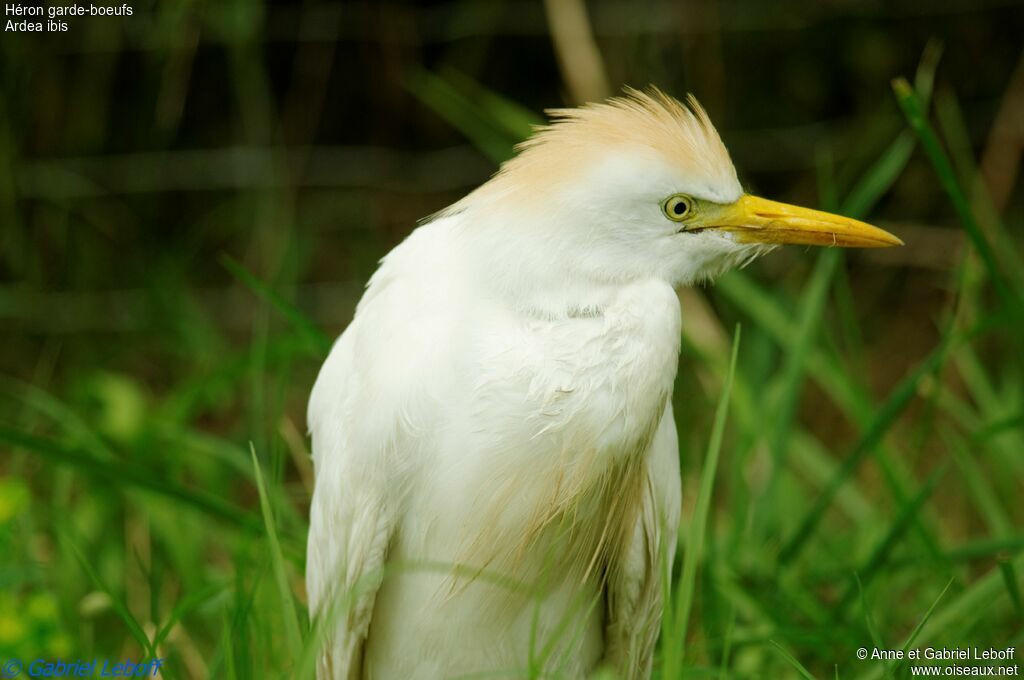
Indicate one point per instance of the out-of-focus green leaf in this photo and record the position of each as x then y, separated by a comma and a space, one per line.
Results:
914, 111
121, 474
465, 115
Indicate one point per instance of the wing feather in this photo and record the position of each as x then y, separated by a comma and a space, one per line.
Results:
351, 518
366, 414
634, 594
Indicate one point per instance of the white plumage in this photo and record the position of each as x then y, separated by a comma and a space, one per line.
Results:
496, 459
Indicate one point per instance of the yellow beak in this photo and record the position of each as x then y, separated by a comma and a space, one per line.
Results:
758, 220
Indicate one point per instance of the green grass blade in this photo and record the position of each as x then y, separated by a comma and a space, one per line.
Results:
825, 369
970, 551
974, 603
998, 427
122, 474
461, 112
920, 625
186, 606
119, 606
516, 121
977, 485
289, 311
914, 112
59, 413
293, 633
900, 524
869, 620
884, 172
875, 182
886, 415
1009, 574
723, 666
812, 306
954, 130
674, 647
791, 660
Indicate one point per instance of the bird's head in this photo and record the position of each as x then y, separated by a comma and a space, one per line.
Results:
637, 187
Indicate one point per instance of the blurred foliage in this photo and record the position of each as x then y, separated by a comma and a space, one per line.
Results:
192, 199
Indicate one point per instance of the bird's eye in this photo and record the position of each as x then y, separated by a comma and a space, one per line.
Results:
677, 207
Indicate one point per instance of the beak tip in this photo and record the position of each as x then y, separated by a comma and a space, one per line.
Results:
880, 238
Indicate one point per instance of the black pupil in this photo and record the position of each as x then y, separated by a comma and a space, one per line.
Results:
679, 208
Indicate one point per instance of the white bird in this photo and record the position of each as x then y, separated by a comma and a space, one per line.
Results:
496, 460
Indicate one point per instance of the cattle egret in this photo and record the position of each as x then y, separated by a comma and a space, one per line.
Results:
497, 475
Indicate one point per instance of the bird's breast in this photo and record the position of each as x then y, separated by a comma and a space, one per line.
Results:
558, 425
603, 378
531, 477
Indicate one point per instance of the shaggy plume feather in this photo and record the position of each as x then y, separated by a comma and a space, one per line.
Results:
648, 121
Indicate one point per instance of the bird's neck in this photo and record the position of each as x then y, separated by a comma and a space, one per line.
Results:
559, 299
543, 281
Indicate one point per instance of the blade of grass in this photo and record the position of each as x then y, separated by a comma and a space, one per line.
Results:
982, 549
121, 474
920, 625
998, 427
851, 336
811, 308
880, 555
293, 635
186, 606
674, 650
196, 444
954, 130
809, 455
869, 621
196, 392
985, 498
884, 172
119, 606
914, 112
244, 613
723, 666
873, 184
886, 415
1009, 573
59, 413
289, 311
769, 313
976, 602
991, 405
791, 660
515, 120
465, 116
833, 377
